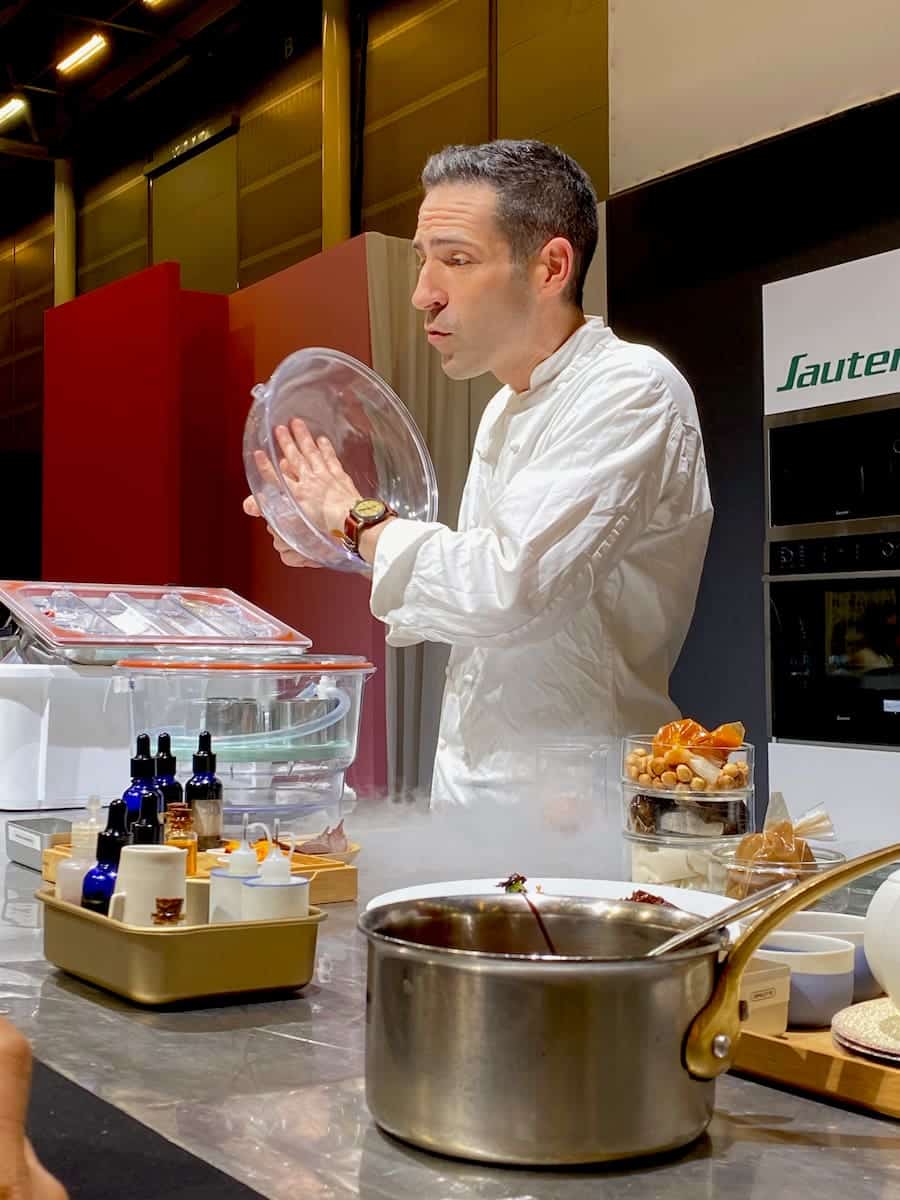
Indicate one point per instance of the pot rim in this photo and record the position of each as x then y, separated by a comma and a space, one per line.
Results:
712, 944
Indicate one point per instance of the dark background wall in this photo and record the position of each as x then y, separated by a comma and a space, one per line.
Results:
688, 257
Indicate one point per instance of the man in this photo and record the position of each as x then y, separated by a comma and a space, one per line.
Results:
568, 589
22, 1177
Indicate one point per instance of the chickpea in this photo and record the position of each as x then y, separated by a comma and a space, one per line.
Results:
669, 779
644, 779
641, 752
633, 773
657, 766
732, 770
724, 782
685, 774
631, 759
698, 784
657, 783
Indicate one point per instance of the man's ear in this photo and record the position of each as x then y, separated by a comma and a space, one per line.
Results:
556, 266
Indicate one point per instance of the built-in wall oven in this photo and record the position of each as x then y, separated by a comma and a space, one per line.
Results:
833, 574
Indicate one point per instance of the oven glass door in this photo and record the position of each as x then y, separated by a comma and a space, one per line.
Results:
835, 660
840, 469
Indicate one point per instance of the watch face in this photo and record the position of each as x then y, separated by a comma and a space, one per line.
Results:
365, 510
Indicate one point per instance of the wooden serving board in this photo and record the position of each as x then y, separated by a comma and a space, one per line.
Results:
330, 881
810, 1062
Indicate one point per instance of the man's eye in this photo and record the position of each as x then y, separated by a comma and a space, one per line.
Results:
458, 261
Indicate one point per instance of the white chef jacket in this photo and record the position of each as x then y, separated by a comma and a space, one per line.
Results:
568, 589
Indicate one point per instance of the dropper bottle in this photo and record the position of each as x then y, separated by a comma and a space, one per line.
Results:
225, 882
143, 770
100, 881
204, 795
71, 872
172, 791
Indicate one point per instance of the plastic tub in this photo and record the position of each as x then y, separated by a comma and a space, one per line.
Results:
284, 734
373, 435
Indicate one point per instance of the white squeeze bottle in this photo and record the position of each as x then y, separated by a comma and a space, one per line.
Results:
71, 871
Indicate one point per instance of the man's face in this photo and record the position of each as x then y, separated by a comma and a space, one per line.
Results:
478, 303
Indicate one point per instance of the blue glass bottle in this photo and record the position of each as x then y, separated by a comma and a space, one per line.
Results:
172, 791
143, 770
100, 881
203, 793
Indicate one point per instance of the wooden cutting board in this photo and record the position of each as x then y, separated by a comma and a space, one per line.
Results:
810, 1062
330, 881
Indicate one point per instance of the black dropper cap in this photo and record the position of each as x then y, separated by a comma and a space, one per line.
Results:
111, 839
165, 759
109, 846
142, 765
204, 759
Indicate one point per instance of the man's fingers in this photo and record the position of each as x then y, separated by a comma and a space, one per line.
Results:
251, 508
15, 1084
301, 437
330, 459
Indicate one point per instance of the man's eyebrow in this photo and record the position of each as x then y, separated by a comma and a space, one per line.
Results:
419, 247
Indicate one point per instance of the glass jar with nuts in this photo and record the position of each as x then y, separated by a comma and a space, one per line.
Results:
686, 790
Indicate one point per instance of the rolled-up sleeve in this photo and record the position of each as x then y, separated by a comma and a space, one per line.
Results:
563, 522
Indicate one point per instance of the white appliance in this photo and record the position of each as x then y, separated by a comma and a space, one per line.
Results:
65, 733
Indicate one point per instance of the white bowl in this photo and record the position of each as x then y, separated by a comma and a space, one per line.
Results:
821, 974
848, 927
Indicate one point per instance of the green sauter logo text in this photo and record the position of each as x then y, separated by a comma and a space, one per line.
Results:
879, 362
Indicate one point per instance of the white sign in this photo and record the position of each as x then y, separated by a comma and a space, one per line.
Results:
832, 335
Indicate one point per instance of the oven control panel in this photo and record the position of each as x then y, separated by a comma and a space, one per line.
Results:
824, 556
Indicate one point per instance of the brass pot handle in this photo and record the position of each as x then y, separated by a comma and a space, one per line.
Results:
712, 1038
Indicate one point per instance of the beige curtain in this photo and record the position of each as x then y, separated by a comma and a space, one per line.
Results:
447, 413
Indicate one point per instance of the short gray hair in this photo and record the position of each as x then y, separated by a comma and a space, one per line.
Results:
542, 193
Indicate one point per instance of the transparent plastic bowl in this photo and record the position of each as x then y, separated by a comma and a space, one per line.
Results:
683, 862
686, 814
735, 879
284, 734
373, 435
729, 773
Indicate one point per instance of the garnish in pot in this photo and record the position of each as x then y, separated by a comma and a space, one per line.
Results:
515, 884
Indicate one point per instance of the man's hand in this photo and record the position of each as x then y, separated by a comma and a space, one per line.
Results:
317, 481
21, 1175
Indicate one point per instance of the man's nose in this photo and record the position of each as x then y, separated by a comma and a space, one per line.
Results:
426, 294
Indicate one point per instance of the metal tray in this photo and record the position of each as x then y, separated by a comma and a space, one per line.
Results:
163, 966
26, 841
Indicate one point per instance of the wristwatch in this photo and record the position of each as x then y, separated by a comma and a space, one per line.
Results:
363, 515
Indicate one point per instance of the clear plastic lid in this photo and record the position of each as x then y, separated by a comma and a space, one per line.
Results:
373, 435
101, 622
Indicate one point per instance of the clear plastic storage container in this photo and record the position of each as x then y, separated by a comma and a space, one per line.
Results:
373, 435
683, 862
283, 734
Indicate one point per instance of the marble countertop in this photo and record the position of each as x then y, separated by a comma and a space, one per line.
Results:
273, 1092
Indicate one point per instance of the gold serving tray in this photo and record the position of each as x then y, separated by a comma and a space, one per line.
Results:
163, 966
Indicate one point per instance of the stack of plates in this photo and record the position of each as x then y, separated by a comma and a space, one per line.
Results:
871, 1029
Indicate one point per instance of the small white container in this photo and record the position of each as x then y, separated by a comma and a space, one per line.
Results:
821, 975
274, 899
765, 990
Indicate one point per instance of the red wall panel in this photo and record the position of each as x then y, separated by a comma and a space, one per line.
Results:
111, 433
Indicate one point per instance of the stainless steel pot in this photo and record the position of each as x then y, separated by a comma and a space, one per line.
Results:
480, 1044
